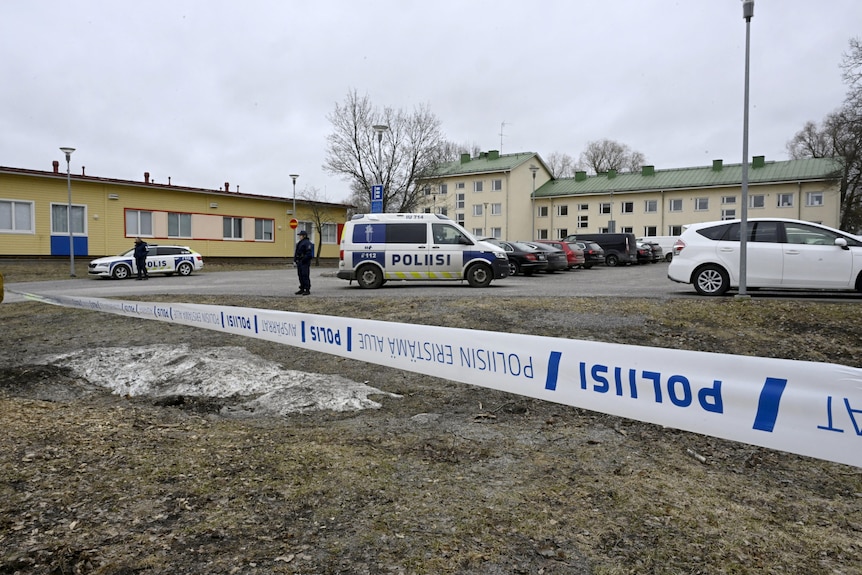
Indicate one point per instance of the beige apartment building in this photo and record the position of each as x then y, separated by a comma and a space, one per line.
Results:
514, 196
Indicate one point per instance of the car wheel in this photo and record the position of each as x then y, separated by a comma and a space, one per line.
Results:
668, 257
184, 269
514, 268
369, 277
121, 272
479, 275
612, 260
711, 280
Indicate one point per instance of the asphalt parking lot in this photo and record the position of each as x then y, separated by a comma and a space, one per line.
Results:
646, 281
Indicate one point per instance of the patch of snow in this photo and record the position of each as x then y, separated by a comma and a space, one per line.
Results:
166, 370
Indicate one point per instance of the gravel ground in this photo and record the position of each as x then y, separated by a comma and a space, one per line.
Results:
446, 478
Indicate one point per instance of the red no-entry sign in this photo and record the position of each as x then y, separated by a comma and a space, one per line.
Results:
293, 223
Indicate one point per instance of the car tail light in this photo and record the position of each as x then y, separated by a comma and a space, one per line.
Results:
530, 256
677, 247
341, 255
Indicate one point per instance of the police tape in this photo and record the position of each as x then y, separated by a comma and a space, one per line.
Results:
807, 408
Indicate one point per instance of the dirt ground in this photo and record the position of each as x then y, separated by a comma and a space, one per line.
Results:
447, 478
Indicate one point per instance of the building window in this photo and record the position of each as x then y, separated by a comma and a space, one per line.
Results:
562, 232
628, 207
583, 207
16, 216
650, 206
814, 199
542, 234
60, 224
497, 233
675, 205
263, 230
674, 230
139, 223
701, 204
477, 186
179, 225
496, 209
459, 186
785, 200
628, 230
583, 222
479, 232
443, 211
460, 200
426, 190
650, 231
477, 209
460, 218
232, 228
329, 234
604, 230
563, 210
605, 208
444, 188
496, 185
728, 200
758, 201
728, 214
542, 211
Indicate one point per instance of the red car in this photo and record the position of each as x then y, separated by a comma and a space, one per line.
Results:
574, 254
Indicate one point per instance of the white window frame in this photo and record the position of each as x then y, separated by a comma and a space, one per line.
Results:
60, 224
496, 209
496, 185
784, 200
583, 222
179, 225
497, 233
725, 200
605, 208
728, 214
583, 207
650, 206
264, 230
562, 210
235, 225
460, 201
627, 207
329, 233
814, 199
674, 205
701, 204
478, 186
17, 222
142, 219
478, 210
542, 211
756, 202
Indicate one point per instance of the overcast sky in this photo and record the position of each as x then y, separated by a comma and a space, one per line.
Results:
214, 91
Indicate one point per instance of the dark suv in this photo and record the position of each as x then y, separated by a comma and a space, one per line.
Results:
593, 254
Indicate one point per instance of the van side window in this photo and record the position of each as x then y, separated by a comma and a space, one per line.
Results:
446, 234
407, 233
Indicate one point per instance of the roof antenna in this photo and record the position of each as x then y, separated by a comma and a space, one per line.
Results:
502, 124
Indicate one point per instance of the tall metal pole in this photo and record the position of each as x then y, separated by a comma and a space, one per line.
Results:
747, 13
68, 152
293, 214
380, 128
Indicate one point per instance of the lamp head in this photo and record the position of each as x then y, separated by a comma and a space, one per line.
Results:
68, 152
747, 9
293, 177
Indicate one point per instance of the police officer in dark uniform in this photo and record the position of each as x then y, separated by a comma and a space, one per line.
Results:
302, 258
141, 250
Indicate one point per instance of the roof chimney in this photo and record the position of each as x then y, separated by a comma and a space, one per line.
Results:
56, 166
465, 157
647, 170
758, 162
227, 186
717, 165
580, 176
493, 154
146, 177
83, 170
612, 174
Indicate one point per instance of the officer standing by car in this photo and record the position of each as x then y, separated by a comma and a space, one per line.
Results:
302, 258
141, 251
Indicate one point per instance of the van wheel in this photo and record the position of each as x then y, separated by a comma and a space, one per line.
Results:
479, 276
369, 277
612, 260
711, 280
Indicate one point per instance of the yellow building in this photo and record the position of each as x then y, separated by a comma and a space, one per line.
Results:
495, 195
107, 214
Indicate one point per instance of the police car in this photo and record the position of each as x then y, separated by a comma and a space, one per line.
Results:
376, 248
168, 260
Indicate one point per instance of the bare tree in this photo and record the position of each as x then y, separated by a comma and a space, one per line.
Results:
320, 214
409, 150
603, 155
562, 165
840, 136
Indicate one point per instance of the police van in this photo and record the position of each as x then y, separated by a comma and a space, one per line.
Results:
380, 247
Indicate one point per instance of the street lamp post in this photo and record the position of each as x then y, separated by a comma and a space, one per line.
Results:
293, 212
747, 13
534, 169
68, 152
485, 228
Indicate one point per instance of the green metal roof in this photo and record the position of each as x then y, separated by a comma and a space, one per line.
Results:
717, 175
485, 162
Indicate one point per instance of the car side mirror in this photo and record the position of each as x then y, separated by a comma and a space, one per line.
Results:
842, 243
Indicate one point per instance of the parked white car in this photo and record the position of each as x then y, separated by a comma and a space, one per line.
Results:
780, 254
168, 260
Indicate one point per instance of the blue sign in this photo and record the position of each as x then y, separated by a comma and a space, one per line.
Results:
376, 199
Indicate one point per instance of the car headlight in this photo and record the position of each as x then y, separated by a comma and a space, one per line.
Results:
501, 255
